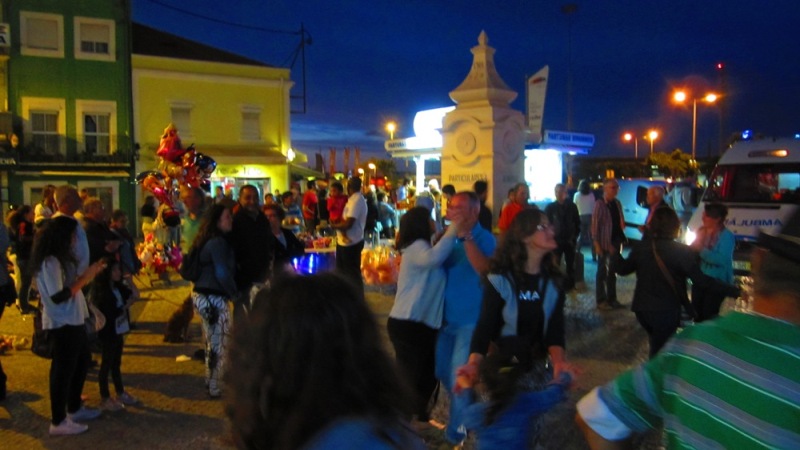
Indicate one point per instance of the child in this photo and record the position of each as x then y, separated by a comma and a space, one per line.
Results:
507, 419
336, 203
112, 297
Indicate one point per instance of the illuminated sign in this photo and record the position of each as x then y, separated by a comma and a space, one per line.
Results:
554, 137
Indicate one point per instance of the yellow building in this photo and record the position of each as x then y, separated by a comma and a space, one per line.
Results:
234, 109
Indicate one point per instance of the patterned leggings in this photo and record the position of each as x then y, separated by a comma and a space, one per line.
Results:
214, 311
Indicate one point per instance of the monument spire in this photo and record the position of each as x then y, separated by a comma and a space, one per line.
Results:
483, 84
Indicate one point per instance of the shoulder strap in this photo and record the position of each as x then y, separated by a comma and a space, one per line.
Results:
665, 272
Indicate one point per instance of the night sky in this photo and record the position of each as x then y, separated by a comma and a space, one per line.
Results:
375, 61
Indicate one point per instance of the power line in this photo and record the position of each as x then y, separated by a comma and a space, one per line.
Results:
224, 22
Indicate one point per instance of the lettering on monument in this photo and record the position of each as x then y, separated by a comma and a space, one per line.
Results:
466, 177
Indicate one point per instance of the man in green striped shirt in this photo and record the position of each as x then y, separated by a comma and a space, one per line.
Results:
730, 383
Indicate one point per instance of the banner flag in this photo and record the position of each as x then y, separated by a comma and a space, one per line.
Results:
537, 89
333, 161
347, 161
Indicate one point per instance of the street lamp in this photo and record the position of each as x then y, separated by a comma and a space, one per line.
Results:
680, 97
374, 170
627, 138
391, 127
652, 135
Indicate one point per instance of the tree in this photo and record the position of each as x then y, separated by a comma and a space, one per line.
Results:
676, 164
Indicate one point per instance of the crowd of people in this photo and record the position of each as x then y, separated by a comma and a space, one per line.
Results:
479, 314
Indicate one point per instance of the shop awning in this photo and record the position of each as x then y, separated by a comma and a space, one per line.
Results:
305, 172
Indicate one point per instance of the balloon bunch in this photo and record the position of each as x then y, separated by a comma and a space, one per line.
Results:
177, 166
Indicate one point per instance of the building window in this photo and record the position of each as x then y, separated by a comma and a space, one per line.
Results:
106, 191
94, 39
182, 118
96, 126
96, 133
44, 124
44, 132
41, 34
251, 126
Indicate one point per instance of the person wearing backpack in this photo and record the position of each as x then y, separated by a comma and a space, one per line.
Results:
214, 289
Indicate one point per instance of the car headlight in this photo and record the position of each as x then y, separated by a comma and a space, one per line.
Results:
689, 237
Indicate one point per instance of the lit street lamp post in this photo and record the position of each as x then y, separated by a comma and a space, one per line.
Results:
651, 136
680, 97
391, 127
374, 170
627, 137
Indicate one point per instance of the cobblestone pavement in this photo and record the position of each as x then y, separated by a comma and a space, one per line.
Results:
176, 412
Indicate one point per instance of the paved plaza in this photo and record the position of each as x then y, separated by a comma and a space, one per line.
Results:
176, 412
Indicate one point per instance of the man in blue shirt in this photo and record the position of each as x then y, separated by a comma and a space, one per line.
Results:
468, 261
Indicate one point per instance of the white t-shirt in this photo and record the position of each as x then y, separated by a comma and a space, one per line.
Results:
356, 207
585, 203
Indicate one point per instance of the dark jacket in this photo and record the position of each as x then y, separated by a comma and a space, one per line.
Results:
653, 292
217, 267
98, 235
284, 255
103, 297
485, 217
253, 245
566, 220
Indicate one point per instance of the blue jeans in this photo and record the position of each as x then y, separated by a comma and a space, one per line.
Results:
452, 351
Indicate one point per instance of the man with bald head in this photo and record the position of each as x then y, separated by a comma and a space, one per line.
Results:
467, 263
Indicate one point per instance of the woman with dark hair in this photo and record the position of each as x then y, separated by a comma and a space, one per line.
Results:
662, 266
523, 303
47, 207
419, 303
214, 289
287, 246
318, 377
64, 311
20, 230
584, 199
714, 244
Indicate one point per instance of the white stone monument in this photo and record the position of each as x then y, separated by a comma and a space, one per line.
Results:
483, 138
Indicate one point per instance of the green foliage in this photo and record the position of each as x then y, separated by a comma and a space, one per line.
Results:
676, 164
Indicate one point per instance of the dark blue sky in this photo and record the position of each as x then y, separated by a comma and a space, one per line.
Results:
374, 61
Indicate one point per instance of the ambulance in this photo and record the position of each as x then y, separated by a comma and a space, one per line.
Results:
759, 182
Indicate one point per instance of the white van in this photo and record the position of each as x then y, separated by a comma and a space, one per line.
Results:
759, 182
633, 196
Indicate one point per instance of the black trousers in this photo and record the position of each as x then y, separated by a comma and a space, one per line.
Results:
348, 262
415, 350
706, 303
567, 248
660, 326
68, 369
111, 362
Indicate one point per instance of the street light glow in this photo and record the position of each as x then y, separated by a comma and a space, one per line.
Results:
391, 127
710, 97
680, 96
652, 135
627, 137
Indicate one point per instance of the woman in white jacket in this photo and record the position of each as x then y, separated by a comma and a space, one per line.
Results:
64, 311
419, 303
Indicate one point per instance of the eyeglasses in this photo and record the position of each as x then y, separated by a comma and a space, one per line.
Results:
544, 227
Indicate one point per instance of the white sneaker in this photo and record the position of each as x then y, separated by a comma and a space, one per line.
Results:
110, 404
84, 414
67, 427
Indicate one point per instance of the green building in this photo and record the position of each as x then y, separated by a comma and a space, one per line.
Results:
67, 114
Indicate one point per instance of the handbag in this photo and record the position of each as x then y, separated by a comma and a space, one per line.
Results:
41, 342
95, 322
688, 308
8, 293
